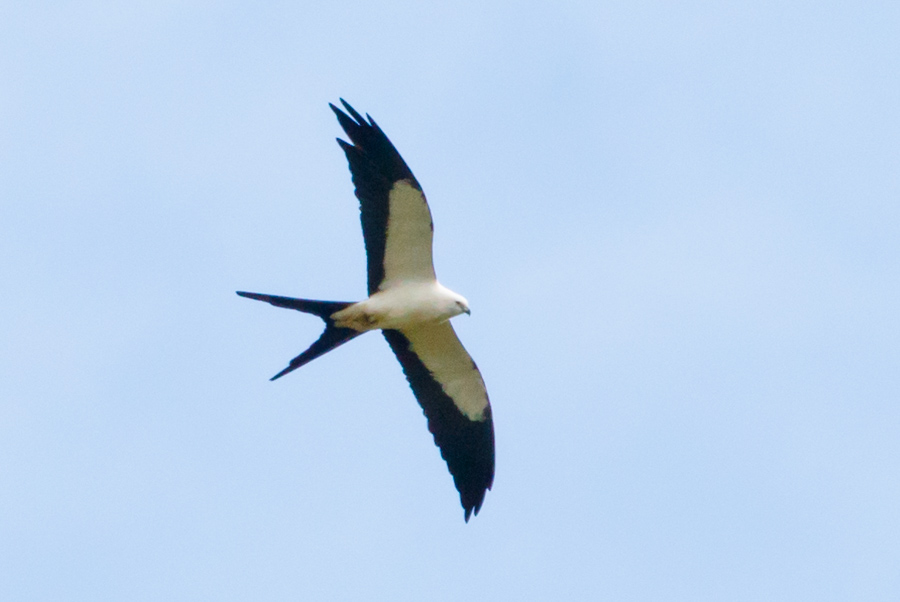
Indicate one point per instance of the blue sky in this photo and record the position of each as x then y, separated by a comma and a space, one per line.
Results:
678, 225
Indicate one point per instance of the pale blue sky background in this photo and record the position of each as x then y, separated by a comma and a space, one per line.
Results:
678, 225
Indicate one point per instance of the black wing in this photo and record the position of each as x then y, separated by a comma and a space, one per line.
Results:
396, 221
450, 390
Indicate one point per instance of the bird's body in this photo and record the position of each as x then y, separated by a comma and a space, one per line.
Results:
410, 307
404, 306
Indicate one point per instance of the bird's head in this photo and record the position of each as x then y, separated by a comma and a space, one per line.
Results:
460, 304
452, 304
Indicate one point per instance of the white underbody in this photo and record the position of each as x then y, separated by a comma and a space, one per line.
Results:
402, 307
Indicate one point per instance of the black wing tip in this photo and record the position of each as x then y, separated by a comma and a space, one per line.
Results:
353, 113
372, 145
337, 111
351, 117
473, 507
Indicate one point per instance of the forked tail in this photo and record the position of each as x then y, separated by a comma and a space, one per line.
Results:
332, 337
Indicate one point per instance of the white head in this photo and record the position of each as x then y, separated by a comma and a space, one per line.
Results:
455, 304
462, 305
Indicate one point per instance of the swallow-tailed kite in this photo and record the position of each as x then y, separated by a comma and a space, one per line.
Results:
409, 306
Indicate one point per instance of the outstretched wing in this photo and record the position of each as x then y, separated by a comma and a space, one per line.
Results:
396, 221
450, 390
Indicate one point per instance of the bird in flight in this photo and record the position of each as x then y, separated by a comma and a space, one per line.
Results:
410, 307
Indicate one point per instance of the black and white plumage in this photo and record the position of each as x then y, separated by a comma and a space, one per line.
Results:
409, 306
